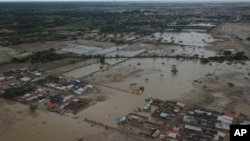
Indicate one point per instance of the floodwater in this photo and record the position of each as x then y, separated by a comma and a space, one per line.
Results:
125, 53
106, 50
191, 51
158, 79
79, 49
48, 126
162, 83
182, 51
185, 38
84, 71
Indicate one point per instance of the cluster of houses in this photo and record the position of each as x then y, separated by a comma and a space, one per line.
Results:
168, 110
204, 125
145, 126
55, 92
175, 121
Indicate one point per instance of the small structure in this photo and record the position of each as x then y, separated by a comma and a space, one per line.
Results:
138, 91
25, 79
174, 69
163, 115
2, 79
193, 128
182, 105
226, 119
173, 133
156, 133
120, 120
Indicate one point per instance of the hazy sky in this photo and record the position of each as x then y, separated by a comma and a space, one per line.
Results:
138, 0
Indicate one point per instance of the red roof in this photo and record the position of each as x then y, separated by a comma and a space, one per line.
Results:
229, 115
175, 131
43, 92
51, 105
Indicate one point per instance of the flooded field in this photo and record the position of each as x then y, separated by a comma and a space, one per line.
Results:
88, 50
185, 38
78, 49
125, 53
83, 71
188, 51
156, 76
107, 50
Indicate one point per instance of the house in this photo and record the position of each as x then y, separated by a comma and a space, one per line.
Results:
25, 79
182, 105
156, 133
173, 133
2, 79
163, 115
226, 118
193, 128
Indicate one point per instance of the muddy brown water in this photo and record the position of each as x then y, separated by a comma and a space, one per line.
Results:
162, 83
159, 81
184, 38
84, 71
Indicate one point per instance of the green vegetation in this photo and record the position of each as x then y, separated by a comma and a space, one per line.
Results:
10, 93
102, 59
53, 78
204, 60
71, 21
227, 52
230, 84
229, 57
240, 56
41, 57
33, 108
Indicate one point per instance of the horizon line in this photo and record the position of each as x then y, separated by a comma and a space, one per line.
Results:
151, 1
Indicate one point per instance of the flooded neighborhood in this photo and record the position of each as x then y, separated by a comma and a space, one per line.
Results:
126, 71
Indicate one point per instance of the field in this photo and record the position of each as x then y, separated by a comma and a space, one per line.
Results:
241, 30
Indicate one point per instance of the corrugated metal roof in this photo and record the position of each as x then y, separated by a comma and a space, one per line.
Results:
180, 104
172, 135
163, 115
190, 127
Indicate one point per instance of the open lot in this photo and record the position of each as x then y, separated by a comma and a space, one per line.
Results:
241, 30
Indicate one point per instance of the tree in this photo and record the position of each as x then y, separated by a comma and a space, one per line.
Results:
240, 56
227, 52
10, 93
33, 108
102, 60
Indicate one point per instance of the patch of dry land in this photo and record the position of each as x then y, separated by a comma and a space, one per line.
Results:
6, 54
241, 30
